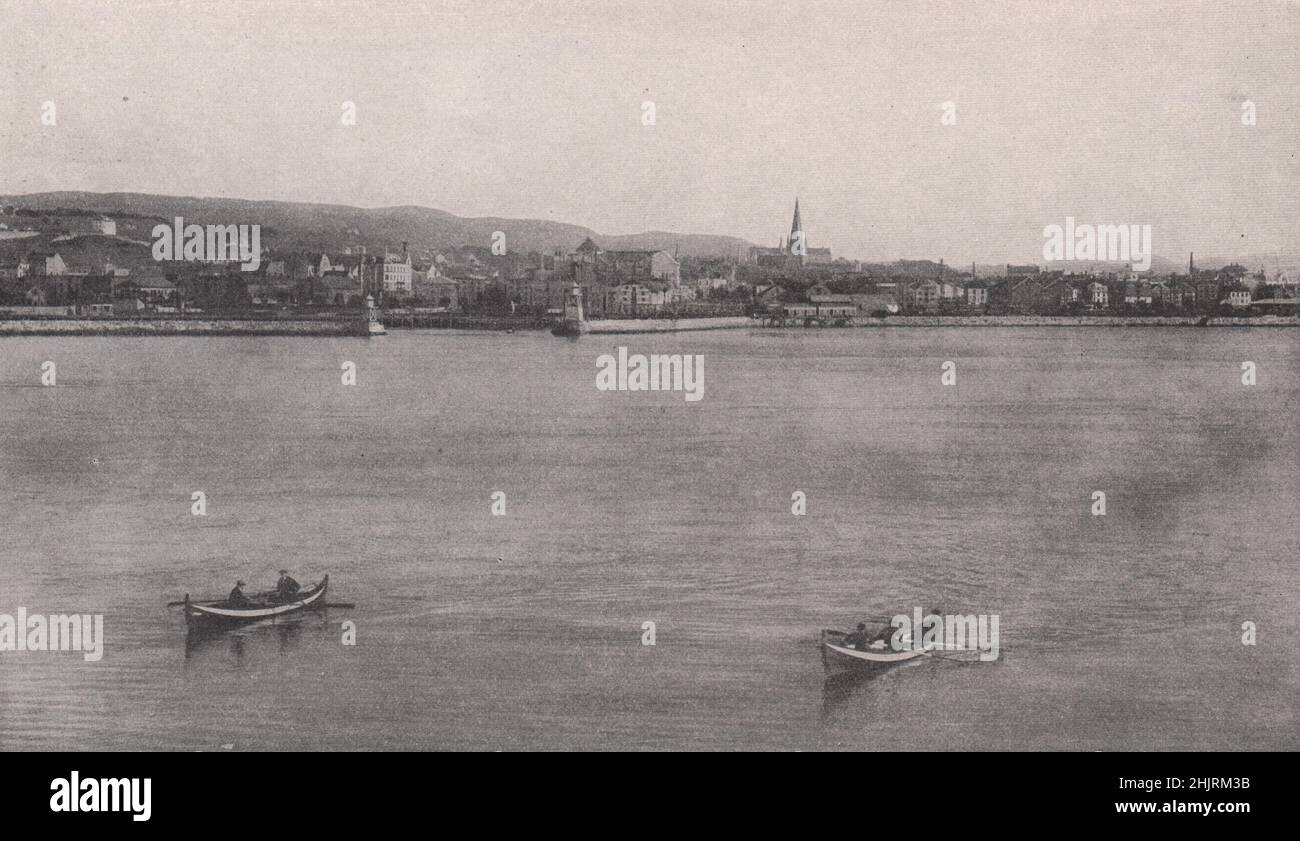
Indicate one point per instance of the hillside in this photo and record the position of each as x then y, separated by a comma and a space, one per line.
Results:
329, 227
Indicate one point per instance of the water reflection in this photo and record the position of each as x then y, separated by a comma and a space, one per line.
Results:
839, 688
287, 634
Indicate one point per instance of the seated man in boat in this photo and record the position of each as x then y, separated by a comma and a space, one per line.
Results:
857, 639
237, 597
286, 589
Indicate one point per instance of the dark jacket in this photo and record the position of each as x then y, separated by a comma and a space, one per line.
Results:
857, 639
237, 598
286, 586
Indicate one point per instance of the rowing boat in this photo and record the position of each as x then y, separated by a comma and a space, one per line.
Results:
837, 659
218, 614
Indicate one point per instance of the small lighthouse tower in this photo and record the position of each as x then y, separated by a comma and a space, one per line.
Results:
374, 327
573, 315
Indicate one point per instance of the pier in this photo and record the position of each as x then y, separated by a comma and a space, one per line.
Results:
460, 321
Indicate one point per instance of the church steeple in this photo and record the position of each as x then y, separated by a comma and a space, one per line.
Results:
796, 226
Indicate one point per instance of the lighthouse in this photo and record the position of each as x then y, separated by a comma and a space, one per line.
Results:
374, 327
573, 315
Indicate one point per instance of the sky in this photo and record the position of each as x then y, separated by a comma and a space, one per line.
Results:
1116, 113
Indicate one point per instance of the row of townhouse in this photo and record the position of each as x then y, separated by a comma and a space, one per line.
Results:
1046, 294
1024, 293
619, 281
1053, 293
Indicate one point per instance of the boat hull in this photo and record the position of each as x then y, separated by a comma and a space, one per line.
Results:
838, 659
217, 615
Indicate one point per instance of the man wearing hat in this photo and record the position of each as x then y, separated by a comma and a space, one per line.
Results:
857, 639
237, 597
286, 588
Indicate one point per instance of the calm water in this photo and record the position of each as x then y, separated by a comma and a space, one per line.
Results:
524, 631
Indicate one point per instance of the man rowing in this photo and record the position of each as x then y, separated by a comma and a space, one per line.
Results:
862, 639
857, 639
237, 597
286, 589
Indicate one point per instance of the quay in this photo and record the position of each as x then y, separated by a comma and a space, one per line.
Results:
181, 327
461, 321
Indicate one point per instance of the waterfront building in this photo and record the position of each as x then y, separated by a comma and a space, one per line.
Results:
1207, 292
770, 296
705, 285
151, 287
799, 309
346, 264
675, 295
628, 298
14, 271
441, 291
273, 292
339, 290
926, 294
397, 272
1030, 294
874, 303
1136, 293
47, 264
644, 265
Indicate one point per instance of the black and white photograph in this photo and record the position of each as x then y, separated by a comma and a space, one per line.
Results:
577, 376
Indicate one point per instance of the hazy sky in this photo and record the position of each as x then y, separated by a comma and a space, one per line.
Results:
1121, 113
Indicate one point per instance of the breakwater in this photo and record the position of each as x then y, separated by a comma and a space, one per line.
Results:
665, 325
460, 321
668, 325
181, 327
1073, 321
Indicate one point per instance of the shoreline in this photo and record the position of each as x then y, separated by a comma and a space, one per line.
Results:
650, 325
357, 328
1076, 321
181, 327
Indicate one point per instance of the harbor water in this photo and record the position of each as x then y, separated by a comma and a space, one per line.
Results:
527, 628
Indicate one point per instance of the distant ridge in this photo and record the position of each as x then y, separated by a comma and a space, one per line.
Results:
332, 227
310, 227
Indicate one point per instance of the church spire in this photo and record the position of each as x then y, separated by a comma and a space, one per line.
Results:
796, 226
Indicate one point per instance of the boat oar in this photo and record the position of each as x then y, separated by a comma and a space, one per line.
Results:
960, 656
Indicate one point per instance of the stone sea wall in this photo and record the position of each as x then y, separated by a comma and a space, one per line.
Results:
665, 325
180, 327
1069, 321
